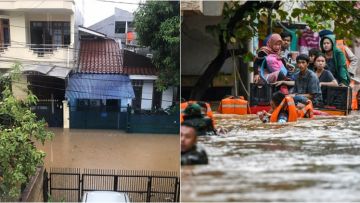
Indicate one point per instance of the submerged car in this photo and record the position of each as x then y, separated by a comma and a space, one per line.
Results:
105, 196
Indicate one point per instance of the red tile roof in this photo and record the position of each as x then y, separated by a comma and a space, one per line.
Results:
137, 64
105, 56
100, 56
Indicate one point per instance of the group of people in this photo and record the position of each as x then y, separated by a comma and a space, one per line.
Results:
326, 66
300, 79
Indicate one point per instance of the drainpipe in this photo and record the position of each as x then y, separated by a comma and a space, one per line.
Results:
68, 57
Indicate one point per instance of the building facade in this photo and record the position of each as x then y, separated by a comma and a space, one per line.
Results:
43, 37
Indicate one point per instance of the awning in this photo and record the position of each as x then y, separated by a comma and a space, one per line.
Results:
99, 86
55, 71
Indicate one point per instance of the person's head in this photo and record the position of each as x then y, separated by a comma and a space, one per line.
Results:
313, 53
192, 110
188, 135
302, 61
286, 38
203, 107
327, 44
276, 99
320, 61
275, 42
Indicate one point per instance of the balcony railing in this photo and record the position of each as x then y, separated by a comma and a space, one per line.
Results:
43, 49
39, 49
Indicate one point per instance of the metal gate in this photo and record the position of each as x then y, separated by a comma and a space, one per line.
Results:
51, 111
69, 185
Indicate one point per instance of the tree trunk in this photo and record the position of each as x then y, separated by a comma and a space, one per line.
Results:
207, 77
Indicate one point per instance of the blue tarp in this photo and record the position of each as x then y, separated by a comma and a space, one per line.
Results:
99, 86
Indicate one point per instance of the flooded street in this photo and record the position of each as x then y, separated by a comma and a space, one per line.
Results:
111, 149
311, 160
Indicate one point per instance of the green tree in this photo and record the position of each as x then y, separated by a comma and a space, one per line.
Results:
19, 127
244, 19
157, 26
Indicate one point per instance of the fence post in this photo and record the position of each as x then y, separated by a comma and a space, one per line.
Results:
148, 196
45, 186
128, 118
177, 190
79, 187
115, 182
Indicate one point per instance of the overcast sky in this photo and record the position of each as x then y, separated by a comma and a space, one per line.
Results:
95, 10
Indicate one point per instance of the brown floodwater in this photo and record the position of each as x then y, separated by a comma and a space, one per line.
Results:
311, 160
111, 149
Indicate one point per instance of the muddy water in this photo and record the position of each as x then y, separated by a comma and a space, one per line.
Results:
311, 160
110, 149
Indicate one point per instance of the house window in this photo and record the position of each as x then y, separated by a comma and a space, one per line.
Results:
157, 97
120, 27
137, 86
43, 32
4, 33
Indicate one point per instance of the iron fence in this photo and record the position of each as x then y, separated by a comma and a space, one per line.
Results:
70, 184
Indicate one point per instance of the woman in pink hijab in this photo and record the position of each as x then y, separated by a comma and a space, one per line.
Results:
273, 49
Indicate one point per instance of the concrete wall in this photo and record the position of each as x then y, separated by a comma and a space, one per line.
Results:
22, 12
199, 48
34, 189
36, 4
147, 94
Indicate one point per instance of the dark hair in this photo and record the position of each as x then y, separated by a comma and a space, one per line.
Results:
303, 57
320, 54
314, 52
322, 42
190, 123
285, 34
277, 98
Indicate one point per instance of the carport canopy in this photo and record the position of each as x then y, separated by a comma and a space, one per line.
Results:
99, 86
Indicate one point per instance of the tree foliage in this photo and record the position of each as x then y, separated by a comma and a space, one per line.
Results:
157, 26
243, 20
19, 127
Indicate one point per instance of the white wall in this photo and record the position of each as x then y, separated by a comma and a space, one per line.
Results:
167, 98
107, 25
147, 94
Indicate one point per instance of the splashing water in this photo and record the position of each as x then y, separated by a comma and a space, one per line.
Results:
311, 160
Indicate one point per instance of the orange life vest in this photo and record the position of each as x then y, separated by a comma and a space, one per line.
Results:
232, 105
340, 44
354, 101
290, 108
307, 111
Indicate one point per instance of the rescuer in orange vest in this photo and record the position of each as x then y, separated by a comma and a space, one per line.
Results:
282, 110
203, 124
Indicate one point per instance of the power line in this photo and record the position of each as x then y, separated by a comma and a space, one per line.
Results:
75, 49
120, 2
71, 48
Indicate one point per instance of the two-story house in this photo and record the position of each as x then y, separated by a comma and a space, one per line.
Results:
43, 37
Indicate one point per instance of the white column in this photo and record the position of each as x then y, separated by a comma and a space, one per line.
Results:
66, 114
167, 98
147, 94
